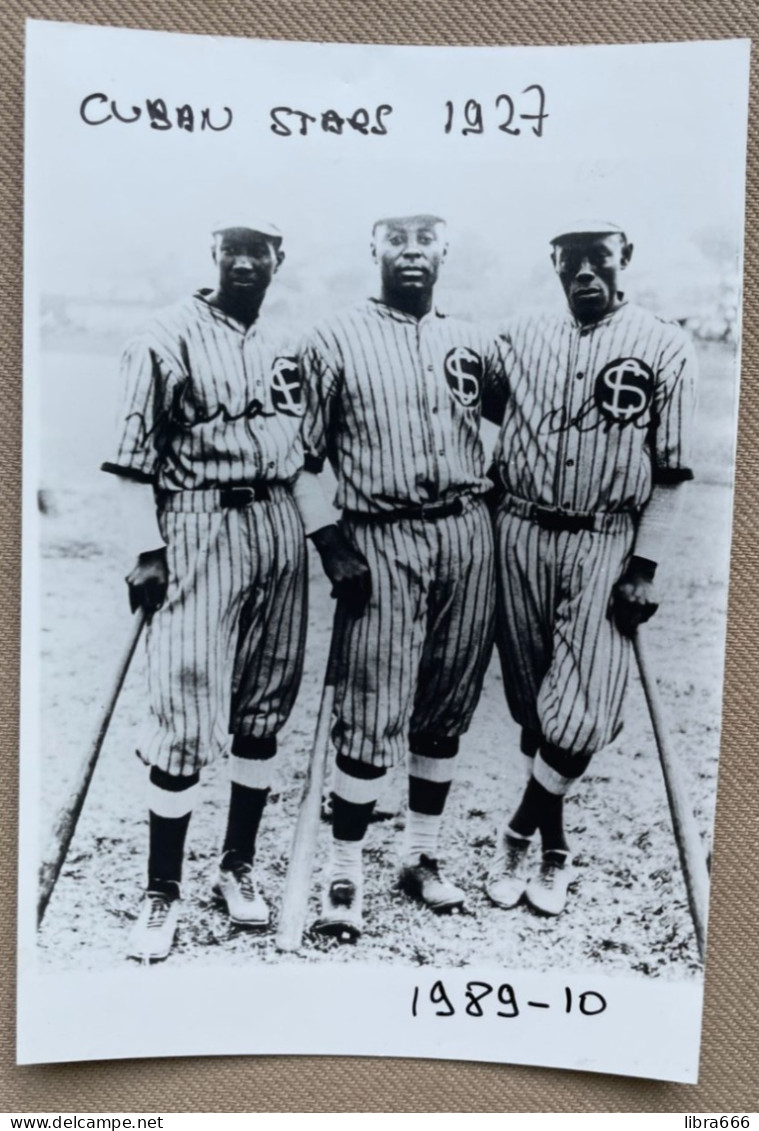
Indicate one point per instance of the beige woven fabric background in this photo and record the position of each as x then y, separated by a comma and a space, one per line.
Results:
729, 1072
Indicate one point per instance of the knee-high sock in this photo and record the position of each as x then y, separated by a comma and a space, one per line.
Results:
431, 766
529, 744
355, 786
251, 773
542, 804
171, 800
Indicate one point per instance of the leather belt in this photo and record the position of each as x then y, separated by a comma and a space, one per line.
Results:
222, 498
243, 496
427, 512
556, 518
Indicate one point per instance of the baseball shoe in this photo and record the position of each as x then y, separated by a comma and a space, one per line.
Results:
547, 892
153, 934
236, 888
425, 882
341, 916
507, 880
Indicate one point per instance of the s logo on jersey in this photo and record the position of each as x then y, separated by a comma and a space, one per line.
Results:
463, 372
286, 390
624, 390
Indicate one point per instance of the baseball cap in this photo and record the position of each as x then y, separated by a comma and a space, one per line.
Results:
253, 224
402, 217
587, 227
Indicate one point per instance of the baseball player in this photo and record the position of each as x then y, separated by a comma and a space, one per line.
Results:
393, 400
208, 451
593, 450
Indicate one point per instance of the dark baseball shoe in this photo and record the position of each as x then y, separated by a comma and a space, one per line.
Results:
508, 877
236, 888
547, 892
153, 934
425, 882
342, 916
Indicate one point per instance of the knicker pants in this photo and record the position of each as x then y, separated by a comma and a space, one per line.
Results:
564, 663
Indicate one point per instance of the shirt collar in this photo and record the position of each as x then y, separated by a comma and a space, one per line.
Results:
384, 311
202, 296
601, 321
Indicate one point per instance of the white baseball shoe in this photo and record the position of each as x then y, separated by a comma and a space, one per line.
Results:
342, 910
153, 934
424, 881
547, 892
508, 877
236, 888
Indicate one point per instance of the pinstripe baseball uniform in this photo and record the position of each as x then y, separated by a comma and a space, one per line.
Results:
595, 416
211, 418
394, 403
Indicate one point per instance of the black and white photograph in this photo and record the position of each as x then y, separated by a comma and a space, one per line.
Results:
379, 429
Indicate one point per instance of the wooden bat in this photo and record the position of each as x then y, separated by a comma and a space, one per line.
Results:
292, 918
689, 846
68, 815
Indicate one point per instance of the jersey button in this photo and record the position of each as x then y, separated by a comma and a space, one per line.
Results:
434, 409
430, 368
580, 376
570, 463
441, 452
271, 463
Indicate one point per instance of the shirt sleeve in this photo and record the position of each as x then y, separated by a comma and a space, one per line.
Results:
320, 372
149, 380
675, 405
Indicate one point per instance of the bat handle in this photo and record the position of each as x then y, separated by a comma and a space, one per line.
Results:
68, 815
689, 846
295, 897
336, 645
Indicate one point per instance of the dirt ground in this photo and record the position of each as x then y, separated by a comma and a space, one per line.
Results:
629, 911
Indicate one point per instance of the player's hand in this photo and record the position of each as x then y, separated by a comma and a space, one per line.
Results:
633, 598
148, 582
346, 567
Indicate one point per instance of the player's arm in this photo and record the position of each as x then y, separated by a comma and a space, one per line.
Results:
343, 564
134, 468
498, 355
494, 396
148, 579
633, 597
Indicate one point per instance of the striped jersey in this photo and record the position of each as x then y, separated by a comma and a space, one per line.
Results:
208, 402
394, 403
596, 415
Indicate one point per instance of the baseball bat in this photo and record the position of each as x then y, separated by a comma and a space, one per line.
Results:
68, 815
689, 846
292, 918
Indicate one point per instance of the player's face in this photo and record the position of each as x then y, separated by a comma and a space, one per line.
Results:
589, 268
409, 254
247, 261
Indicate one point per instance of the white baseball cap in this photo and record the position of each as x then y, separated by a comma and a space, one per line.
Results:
252, 224
404, 217
587, 227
